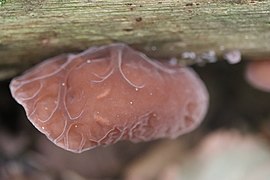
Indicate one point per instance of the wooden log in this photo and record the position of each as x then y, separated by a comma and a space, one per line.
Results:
31, 31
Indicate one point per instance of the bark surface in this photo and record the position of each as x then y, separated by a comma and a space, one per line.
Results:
31, 31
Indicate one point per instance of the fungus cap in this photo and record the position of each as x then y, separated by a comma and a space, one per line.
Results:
258, 74
110, 93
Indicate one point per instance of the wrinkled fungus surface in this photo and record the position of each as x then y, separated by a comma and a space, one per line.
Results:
110, 93
258, 74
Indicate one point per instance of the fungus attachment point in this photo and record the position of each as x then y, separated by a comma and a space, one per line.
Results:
258, 74
120, 95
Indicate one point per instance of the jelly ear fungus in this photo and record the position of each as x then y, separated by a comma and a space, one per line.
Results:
258, 74
107, 94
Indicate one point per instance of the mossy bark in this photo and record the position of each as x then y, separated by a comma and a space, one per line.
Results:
31, 31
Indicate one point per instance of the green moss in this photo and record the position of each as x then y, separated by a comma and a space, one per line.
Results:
2, 2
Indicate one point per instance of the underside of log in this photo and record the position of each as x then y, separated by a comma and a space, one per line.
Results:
31, 31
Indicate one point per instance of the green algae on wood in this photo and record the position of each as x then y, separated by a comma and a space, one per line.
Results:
2, 2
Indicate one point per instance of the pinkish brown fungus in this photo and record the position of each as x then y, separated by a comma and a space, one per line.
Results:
258, 74
107, 94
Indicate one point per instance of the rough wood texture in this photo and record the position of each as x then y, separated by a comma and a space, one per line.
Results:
31, 31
